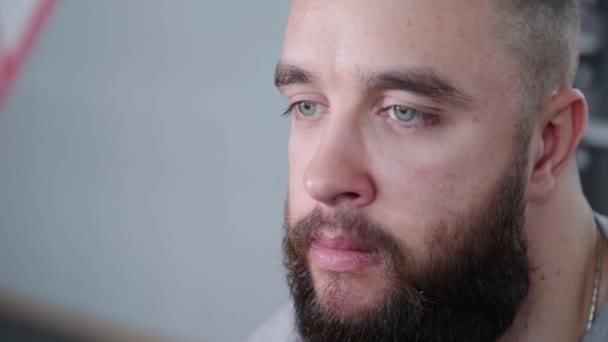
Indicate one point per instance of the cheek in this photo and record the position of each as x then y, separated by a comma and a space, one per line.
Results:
417, 200
419, 193
420, 187
447, 175
299, 203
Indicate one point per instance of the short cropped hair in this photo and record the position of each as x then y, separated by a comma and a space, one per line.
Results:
543, 37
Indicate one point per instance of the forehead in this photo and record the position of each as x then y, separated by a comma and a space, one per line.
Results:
335, 38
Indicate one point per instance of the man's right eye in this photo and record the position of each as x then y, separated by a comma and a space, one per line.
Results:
305, 108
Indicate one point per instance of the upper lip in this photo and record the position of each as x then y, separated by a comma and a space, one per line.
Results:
339, 240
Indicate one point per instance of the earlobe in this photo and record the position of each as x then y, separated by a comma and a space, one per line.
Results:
558, 132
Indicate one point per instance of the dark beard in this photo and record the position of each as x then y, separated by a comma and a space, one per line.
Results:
470, 290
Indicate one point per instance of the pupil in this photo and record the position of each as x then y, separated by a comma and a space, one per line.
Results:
405, 113
307, 107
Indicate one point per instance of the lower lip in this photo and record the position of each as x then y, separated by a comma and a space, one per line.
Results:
343, 260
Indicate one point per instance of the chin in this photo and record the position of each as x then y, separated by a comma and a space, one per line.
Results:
350, 295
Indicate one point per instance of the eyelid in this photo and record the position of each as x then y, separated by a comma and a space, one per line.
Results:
411, 101
291, 107
426, 119
392, 104
303, 96
420, 113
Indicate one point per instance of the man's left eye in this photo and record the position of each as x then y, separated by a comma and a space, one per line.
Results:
406, 114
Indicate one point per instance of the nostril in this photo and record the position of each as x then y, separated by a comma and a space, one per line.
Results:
351, 195
350, 198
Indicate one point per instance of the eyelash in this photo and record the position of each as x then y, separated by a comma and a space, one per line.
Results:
294, 106
290, 108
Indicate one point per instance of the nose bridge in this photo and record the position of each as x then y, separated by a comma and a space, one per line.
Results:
341, 138
337, 171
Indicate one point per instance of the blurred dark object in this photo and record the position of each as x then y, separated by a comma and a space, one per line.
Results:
592, 159
27, 320
18, 330
592, 79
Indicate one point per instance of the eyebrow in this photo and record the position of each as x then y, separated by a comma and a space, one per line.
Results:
423, 81
286, 75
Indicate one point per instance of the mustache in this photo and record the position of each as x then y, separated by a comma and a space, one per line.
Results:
354, 224
298, 238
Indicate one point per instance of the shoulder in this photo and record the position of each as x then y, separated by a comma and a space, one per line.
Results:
279, 327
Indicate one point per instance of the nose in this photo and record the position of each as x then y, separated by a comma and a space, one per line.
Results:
338, 172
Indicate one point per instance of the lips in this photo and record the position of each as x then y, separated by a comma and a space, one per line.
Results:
337, 252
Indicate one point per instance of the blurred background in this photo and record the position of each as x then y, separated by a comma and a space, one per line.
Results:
144, 169
593, 81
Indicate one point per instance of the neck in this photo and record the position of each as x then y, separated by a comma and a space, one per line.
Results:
562, 239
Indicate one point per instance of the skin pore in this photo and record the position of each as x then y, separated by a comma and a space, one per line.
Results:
406, 112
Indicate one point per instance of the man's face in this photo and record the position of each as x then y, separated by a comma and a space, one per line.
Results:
405, 156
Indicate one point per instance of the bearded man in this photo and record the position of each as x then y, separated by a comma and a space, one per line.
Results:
433, 193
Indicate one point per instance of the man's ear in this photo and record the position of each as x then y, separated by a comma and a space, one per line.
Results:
556, 135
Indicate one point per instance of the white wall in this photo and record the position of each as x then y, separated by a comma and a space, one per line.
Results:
143, 165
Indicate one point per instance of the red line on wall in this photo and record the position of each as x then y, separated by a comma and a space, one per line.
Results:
13, 62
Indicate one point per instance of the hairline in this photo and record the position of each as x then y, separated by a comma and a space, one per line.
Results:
509, 31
